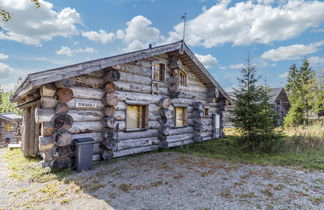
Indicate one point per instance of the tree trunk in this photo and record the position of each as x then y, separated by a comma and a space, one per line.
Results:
111, 99
110, 87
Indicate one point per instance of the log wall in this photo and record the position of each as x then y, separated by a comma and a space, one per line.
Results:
93, 105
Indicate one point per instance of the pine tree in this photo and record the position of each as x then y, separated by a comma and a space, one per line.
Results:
302, 88
253, 114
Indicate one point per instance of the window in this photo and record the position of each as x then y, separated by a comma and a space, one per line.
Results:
136, 117
182, 78
9, 127
206, 112
158, 72
180, 116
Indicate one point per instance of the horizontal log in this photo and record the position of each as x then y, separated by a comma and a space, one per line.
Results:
89, 81
133, 87
135, 150
136, 135
64, 94
45, 143
98, 74
48, 90
177, 131
123, 96
87, 93
180, 143
47, 129
133, 143
133, 78
48, 102
86, 127
180, 137
46, 115
151, 125
135, 69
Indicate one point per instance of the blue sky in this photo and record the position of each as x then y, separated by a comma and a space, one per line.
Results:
275, 34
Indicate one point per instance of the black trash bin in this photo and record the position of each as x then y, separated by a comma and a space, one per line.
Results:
83, 153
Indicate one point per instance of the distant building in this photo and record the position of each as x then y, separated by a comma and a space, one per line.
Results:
9, 129
279, 100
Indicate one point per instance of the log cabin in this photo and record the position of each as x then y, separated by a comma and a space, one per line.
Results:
278, 99
9, 129
151, 99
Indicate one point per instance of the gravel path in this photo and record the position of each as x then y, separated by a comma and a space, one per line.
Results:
171, 180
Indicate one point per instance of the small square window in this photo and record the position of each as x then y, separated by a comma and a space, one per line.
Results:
136, 117
158, 72
182, 78
180, 116
9, 127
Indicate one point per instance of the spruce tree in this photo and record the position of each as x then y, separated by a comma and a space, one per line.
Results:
253, 114
302, 88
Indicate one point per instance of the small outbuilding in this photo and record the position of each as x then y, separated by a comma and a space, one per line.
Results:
278, 99
10, 129
136, 102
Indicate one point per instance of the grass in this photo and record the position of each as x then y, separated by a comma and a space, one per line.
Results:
302, 149
23, 168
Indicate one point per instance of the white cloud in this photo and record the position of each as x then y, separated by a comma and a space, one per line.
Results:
137, 35
70, 52
283, 75
291, 52
100, 36
208, 60
31, 25
3, 56
316, 61
250, 22
236, 66
5, 71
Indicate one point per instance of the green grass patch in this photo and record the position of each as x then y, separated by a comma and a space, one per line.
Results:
228, 149
30, 169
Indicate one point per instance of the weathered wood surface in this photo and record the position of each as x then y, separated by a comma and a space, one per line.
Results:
133, 143
62, 138
62, 108
46, 143
89, 81
85, 104
137, 135
48, 102
135, 150
46, 115
47, 129
62, 121
64, 94
110, 99
98, 137
48, 90
86, 127
87, 93
111, 75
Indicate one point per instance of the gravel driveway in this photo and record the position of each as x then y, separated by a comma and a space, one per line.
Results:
171, 180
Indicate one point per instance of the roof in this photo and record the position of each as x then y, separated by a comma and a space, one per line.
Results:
10, 117
274, 94
37, 79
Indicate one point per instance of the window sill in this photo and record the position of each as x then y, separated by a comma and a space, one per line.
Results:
136, 130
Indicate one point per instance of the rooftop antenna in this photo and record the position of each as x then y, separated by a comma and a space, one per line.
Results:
183, 17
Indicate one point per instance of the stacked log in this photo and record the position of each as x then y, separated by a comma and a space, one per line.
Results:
164, 129
198, 113
173, 84
55, 142
109, 145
